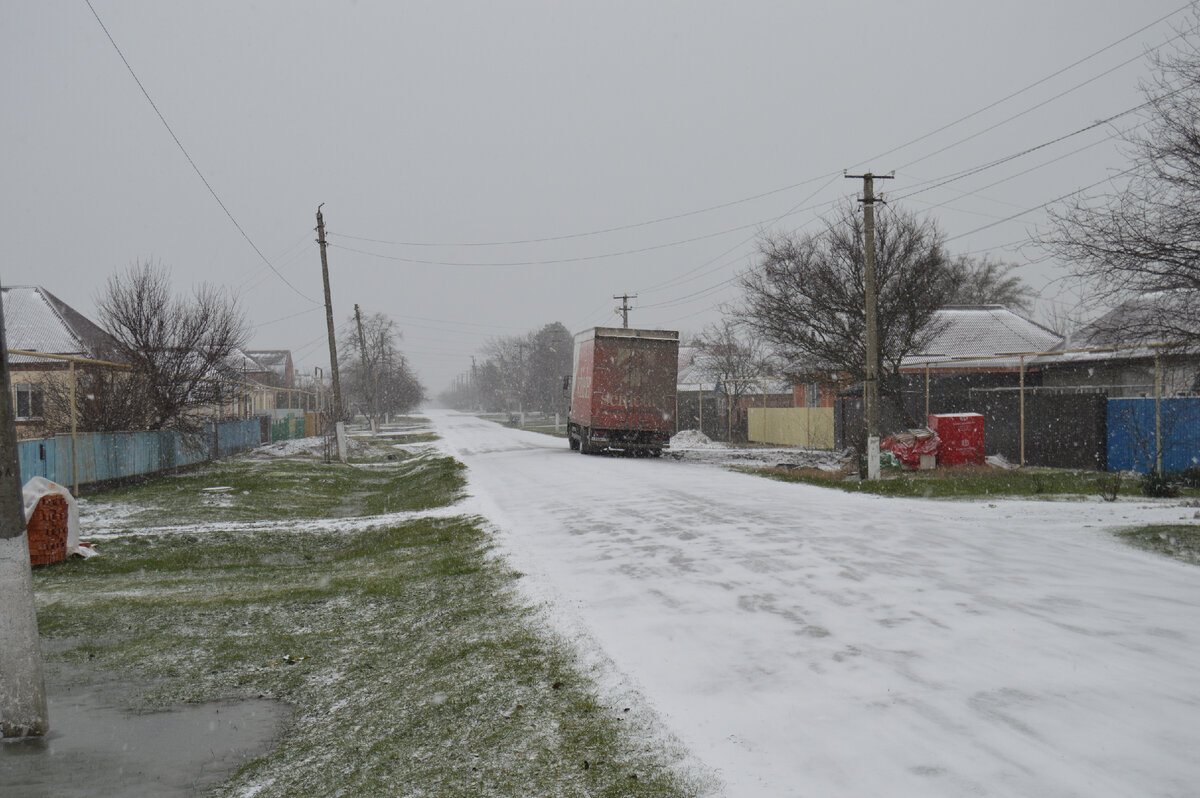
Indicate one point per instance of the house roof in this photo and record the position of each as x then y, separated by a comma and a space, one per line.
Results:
982, 331
241, 362
1131, 326
35, 320
275, 361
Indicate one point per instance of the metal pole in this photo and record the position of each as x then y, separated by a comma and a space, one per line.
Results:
1157, 411
1022, 394
926, 391
74, 438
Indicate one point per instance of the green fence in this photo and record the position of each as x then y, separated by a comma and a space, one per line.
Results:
287, 428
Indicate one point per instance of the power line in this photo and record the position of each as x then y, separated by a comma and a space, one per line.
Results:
568, 236
187, 155
1018, 115
1033, 85
550, 261
1043, 205
672, 217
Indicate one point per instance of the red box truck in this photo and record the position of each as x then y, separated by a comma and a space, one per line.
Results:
623, 390
961, 436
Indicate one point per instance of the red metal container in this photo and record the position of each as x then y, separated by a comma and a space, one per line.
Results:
961, 437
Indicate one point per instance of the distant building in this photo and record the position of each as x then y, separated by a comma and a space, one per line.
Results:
278, 362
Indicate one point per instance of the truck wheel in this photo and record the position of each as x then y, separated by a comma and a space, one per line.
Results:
572, 441
585, 446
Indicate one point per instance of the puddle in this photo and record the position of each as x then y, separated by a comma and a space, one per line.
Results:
96, 747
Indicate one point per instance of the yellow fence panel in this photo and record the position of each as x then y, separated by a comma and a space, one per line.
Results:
810, 427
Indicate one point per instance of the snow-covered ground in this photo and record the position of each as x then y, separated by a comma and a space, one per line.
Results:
803, 641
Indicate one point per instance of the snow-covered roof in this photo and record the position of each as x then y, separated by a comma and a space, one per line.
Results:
35, 320
242, 363
275, 361
1125, 332
982, 331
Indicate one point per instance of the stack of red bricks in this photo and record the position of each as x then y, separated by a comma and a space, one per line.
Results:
47, 529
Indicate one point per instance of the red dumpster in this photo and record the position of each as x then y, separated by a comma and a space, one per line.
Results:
961, 436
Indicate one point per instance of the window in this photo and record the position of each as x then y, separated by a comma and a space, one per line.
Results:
28, 400
812, 396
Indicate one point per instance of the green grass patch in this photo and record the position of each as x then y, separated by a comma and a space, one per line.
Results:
1180, 541
411, 662
242, 489
970, 482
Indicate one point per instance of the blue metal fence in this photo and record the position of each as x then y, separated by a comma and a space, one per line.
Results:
114, 455
1132, 436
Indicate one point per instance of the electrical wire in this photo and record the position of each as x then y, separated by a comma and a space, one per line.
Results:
1045, 102
568, 236
1043, 205
1033, 85
187, 155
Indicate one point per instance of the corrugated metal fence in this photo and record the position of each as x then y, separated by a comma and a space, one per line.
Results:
1132, 434
103, 456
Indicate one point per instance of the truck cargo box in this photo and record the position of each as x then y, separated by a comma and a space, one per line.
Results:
623, 389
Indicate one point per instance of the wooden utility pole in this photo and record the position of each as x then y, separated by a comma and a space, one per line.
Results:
22, 683
333, 364
624, 309
871, 383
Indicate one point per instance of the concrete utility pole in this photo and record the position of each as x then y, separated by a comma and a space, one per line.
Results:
871, 383
339, 428
333, 364
362, 345
22, 684
624, 309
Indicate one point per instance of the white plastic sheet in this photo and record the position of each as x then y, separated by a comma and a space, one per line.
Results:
33, 492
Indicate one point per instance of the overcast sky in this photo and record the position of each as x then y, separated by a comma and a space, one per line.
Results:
432, 130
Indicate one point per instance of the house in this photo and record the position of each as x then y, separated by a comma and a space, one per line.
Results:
282, 375
974, 355
1122, 355
972, 347
279, 363
35, 320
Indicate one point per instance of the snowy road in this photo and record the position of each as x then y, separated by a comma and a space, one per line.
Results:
802, 641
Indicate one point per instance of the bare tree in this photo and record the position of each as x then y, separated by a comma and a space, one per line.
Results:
805, 295
179, 348
987, 281
728, 358
1142, 237
378, 380
105, 399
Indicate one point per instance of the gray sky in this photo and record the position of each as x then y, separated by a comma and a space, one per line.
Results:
456, 124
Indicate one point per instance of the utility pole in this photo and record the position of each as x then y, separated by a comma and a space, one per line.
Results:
362, 346
871, 383
22, 683
624, 309
337, 413
521, 380
333, 364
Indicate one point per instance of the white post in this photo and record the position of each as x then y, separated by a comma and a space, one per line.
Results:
340, 430
22, 683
